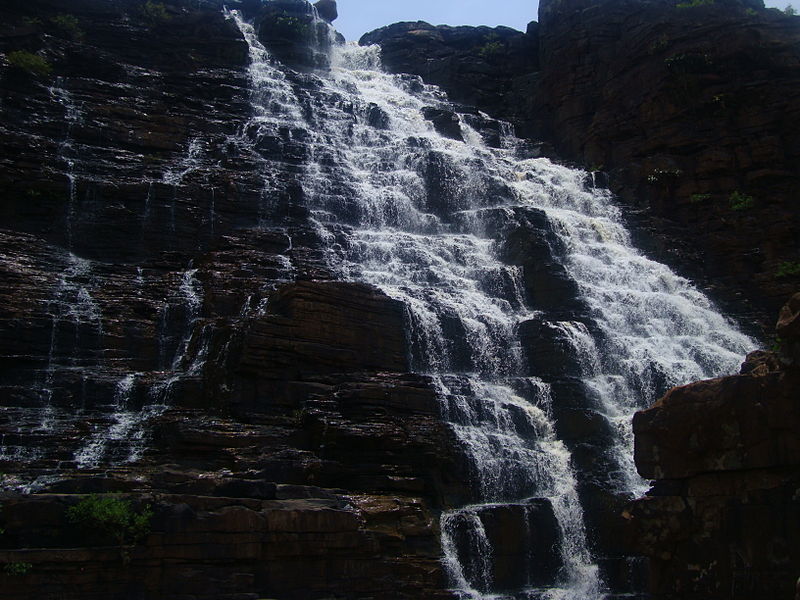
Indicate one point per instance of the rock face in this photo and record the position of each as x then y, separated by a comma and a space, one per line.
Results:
722, 517
688, 111
165, 338
185, 218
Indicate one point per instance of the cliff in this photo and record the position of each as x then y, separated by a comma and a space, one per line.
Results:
285, 452
686, 111
338, 334
722, 517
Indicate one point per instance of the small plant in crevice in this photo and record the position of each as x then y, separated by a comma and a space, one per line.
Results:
68, 25
34, 64
17, 569
292, 26
699, 198
694, 3
788, 268
691, 62
660, 43
113, 517
741, 201
490, 49
155, 12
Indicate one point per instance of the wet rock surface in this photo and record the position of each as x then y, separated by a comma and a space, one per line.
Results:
164, 338
720, 519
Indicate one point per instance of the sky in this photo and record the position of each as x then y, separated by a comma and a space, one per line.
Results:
356, 17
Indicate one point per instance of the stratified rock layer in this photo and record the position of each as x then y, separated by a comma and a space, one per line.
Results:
169, 330
723, 516
692, 111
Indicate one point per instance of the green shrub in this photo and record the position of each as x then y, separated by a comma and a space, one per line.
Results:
17, 569
788, 268
112, 516
68, 25
694, 3
292, 26
155, 12
30, 63
741, 201
699, 198
490, 49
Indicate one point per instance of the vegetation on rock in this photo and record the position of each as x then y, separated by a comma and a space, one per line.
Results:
694, 3
788, 268
30, 63
67, 25
17, 568
113, 516
741, 201
154, 12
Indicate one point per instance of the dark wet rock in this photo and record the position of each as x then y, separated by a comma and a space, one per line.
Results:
524, 538
377, 117
788, 330
721, 516
292, 33
531, 243
550, 351
445, 122
327, 10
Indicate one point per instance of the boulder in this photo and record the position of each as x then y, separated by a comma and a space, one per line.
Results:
327, 10
445, 122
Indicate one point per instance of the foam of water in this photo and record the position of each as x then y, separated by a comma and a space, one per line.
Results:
73, 115
370, 178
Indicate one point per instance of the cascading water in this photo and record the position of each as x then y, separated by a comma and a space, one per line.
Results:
407, 209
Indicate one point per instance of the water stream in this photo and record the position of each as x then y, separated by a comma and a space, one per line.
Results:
415, 207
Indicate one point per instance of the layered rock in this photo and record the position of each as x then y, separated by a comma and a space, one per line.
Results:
721, 519
690, 110
171, 332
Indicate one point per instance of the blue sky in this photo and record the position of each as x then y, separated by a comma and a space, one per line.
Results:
356, 17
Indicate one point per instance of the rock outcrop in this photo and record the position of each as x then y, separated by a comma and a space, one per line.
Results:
722, 518
690, 111
492, 68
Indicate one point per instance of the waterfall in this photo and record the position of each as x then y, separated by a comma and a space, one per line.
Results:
411, 208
